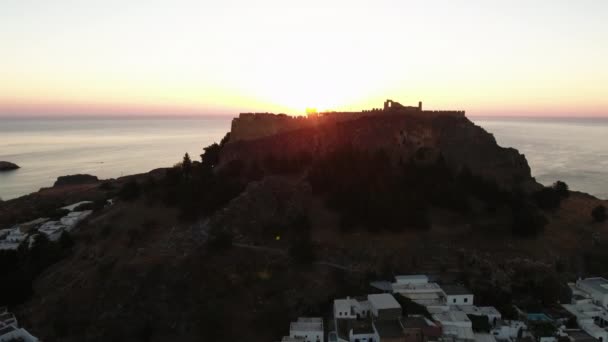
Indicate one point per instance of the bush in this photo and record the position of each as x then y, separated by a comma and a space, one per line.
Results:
129, 191
527, 221
562, 189
480, 323
599, 213
548, 199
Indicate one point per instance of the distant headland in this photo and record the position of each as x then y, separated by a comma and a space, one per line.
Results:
8, 166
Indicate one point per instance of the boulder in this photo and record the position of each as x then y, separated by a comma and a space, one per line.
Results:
7, 166
75, 180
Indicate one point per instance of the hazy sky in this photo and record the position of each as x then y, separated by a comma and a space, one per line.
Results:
94, 57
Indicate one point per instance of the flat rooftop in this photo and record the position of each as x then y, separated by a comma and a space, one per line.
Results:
307, 324
412, 277
451, 317
383, 301
598, 284
456, 290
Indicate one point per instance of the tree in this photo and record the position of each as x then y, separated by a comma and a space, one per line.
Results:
599, 213
211, 155
480, 323
187, 165
561, 188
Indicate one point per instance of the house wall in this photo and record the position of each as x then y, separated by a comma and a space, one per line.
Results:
309, 336
459, 299
371, 337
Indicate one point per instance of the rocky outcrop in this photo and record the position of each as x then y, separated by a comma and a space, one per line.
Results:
8, 166
460, 142
75, 180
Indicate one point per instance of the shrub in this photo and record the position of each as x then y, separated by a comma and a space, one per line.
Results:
129, 191
480, 323
548, 198
561, 188
599, 213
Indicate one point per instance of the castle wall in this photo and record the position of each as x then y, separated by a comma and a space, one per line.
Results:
249, 126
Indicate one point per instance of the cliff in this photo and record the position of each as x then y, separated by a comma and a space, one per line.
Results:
405, 137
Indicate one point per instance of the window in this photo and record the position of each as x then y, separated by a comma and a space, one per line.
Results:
466, 300
454, 300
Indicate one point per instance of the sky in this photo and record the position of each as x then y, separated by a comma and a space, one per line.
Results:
202, 57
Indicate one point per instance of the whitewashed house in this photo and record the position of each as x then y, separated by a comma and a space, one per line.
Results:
456, 325
384, 306
457, 295
419, 289
596, 288
509, 330
493, 315
307, 329
10, 330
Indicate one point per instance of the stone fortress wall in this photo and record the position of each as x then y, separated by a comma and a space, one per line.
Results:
249, 126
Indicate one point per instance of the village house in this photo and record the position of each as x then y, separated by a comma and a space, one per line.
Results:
419, 289
307, 329
588, 306
455, 325
508, 330
10, 330
457, 295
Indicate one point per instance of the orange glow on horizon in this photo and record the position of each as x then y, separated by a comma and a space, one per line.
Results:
187, 57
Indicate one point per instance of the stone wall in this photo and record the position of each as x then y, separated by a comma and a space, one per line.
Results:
249, 126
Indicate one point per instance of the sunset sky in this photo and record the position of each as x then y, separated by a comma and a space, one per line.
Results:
181, 57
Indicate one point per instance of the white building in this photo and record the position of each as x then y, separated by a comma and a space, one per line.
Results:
362, 332
52, 230
509, 330
351, 308
418, 289
10, 330
456, 325
589, 304
484, 338
596, 288
591, 318
11, 239
384, 306
71, 207
493, 315
412, 279
457, 295
307, 329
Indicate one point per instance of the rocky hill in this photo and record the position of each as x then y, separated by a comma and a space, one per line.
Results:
404, 137
264, 230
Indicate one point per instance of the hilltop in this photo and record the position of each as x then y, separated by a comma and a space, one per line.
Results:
273, 223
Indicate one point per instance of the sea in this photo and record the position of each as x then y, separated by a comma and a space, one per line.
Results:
572, 150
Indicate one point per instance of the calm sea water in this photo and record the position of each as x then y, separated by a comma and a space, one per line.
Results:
575, 151
572, 150
108, 148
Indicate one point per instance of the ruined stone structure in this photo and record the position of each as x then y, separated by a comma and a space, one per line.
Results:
249, 126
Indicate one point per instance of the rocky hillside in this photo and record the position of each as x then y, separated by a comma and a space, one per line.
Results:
457, 139
260, 232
